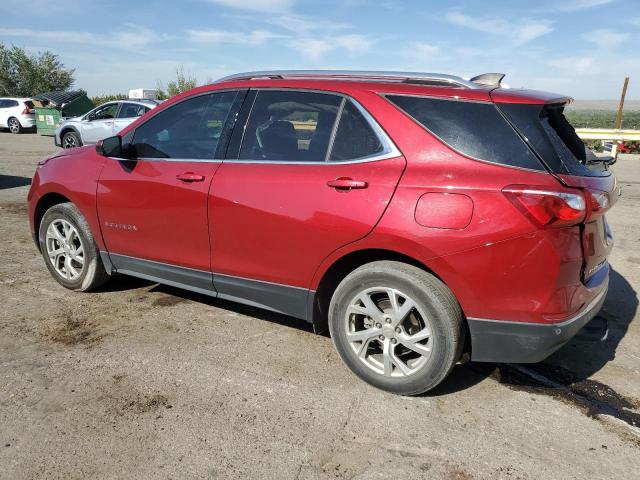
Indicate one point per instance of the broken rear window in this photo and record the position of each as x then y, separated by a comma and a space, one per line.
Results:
552, 137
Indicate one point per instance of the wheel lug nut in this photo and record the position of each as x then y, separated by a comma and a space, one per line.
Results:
388, 320
381, 337
394, 341
398, 330
378, 325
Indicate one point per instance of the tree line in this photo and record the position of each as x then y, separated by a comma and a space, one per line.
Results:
23, 75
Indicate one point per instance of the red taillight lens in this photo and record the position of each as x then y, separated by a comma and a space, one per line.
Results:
599, 203
548, 208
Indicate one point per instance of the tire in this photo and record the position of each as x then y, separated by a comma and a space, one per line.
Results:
71, 140
14, 125
422, 340
72, 233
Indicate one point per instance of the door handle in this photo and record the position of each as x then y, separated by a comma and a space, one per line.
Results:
190, 177
346, 183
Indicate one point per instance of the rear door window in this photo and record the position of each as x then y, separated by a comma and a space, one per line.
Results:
189, 129
290, 126
475, 129
355, 139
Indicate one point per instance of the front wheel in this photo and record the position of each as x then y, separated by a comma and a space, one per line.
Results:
69, 249
14, 125
396, 326
71, 140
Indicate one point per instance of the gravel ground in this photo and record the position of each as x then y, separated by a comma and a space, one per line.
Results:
140, 381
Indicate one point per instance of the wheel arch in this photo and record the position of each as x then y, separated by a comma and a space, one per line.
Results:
47, 201
344, 265
68, 129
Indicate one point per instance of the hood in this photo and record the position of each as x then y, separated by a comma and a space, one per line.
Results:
65, 152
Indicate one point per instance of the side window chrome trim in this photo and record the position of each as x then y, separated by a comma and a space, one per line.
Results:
390, 150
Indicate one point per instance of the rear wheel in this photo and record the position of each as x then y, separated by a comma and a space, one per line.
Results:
69, 249
396, 326
71, 140
14, 125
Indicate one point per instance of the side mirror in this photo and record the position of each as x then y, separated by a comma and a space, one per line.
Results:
90, 117
110, 147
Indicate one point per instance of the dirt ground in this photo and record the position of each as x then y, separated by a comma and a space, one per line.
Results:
145, 381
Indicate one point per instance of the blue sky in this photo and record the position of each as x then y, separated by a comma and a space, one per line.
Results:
580, 47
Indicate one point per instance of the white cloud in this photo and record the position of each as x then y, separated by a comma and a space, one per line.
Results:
303, 25
316, 48
574, 5
606, 38
255, 37
520, 31
133, 38
257, 5
354, 43
311, 47
424, 52
581, 65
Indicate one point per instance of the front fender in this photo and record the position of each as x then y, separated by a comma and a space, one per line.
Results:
73, 176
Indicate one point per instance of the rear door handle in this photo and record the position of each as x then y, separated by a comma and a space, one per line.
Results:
190, 177
346, 183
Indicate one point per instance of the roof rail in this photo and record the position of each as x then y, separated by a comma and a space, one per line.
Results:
405, 77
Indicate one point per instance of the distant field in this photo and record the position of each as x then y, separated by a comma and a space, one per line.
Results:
604, 105
602, 118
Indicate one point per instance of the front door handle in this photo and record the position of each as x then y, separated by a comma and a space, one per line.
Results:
190, 177
346, 183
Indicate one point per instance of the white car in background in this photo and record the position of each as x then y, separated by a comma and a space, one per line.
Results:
17, 114
103, 121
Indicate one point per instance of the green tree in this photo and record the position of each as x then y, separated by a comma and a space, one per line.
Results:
25, 75
182, 83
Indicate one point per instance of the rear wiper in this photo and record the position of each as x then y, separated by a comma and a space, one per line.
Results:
606, 161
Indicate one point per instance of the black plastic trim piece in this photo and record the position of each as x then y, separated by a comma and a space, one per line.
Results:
284, 299
181, 277
270, 296
520, 342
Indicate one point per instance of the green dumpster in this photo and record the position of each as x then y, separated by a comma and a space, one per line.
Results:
52, 107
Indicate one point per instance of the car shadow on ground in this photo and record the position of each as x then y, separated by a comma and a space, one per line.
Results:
11, 181
585, 354
570, 367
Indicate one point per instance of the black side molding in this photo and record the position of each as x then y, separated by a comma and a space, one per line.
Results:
285, 299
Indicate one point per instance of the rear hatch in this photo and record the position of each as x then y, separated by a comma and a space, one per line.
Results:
543, 126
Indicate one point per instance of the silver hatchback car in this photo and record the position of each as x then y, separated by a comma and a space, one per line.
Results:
103, 121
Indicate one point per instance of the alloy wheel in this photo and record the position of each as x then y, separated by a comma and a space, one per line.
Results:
14, 125
69, 141
388, 331
65, 249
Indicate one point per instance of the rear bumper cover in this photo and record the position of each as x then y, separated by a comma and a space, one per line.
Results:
519, 342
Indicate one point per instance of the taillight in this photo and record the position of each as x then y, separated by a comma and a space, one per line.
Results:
548, 208
599, 203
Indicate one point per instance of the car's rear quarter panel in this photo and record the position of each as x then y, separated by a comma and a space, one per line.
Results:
500, 266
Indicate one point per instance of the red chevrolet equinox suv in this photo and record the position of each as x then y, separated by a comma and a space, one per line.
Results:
417, 216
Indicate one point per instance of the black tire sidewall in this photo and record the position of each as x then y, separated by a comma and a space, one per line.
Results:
445, 329
70, 213
74, 135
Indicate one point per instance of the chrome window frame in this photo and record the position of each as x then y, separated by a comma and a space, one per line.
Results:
390, 150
